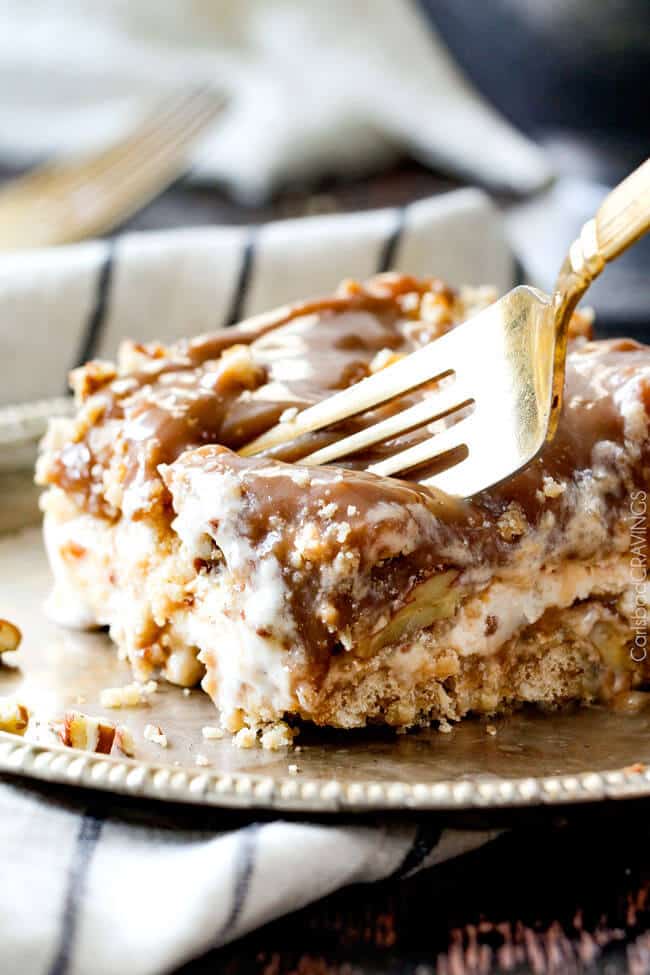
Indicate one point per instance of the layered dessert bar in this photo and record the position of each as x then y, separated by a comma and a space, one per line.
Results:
331, 594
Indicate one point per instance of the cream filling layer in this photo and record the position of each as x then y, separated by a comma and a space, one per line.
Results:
507, 607
249, 669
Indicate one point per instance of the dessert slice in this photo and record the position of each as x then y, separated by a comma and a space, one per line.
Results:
329, 593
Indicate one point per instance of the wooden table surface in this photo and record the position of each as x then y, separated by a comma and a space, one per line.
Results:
562, 896
567, 894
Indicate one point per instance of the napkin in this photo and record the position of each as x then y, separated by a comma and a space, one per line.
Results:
115, 888
318, 88
62, 306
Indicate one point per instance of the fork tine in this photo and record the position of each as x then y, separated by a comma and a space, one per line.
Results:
426, 450
65, 176
170, 136
436, 405
463, 478
141, 177
431, 362
71, 201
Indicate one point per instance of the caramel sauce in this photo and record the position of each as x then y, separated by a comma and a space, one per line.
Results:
183, 398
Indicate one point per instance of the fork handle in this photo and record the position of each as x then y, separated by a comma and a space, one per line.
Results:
625, 213
622, 218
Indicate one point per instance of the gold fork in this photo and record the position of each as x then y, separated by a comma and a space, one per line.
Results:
503, 372
68, 201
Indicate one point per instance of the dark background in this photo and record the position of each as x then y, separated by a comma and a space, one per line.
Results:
582, 65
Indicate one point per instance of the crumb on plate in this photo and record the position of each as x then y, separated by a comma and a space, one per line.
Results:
154, 733
124, 741
128, 696
79, 730
10, 636
277, 736
211, 732
245, 738
14, 716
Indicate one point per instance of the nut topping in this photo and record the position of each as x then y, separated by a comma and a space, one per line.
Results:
14, 717
79, 730
124, 741
129, 696
10, 636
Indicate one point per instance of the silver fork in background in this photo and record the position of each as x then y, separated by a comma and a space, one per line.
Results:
503, 371
68, 201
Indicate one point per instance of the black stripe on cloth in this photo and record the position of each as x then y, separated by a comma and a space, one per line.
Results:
236, 312
389, 249
519, 272
243, 874
98, 312
426, 838
87, 838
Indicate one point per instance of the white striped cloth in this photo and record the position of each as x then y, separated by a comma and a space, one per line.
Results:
105, 887
62, 306
97, 885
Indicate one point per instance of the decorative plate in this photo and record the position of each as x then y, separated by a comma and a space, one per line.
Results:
23, 425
